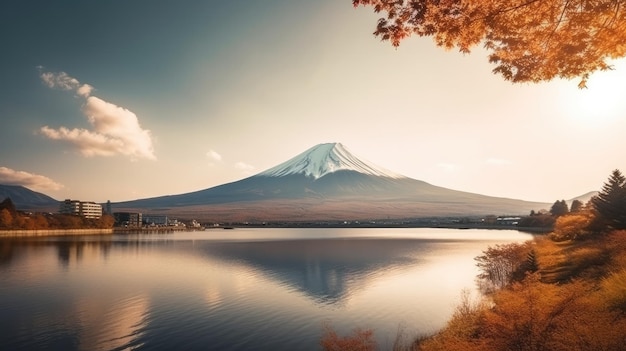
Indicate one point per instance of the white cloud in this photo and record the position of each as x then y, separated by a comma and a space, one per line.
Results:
59, 80
89, 143
84, 90
213, 155
244, 167
116, 130
32, 181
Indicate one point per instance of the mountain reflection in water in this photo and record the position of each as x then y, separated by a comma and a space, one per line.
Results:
262, 289
326, 270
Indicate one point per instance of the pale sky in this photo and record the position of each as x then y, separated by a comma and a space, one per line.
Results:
119, 100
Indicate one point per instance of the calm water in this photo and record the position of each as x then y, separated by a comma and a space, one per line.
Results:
242, 289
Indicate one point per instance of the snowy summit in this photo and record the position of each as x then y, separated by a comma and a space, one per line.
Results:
324, 159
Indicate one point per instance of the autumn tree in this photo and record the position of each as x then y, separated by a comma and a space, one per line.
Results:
6, 219
501, 264
40, 221
106, 221
574, 226
610, 203
8, 205
527, 40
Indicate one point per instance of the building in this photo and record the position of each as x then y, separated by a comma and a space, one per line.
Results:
71, 207
155, 220
128, 219
85, 209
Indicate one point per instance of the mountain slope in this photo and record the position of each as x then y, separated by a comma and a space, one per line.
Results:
26, 199
324, 159
327, 182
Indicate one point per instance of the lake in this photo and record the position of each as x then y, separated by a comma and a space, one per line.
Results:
240, 289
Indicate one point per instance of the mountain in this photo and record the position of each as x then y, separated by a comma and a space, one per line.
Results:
324, 159
26, 199
584, 198
326, 182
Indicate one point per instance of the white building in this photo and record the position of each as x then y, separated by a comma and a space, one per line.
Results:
85, 209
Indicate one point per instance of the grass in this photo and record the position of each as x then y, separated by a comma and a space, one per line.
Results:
575, 301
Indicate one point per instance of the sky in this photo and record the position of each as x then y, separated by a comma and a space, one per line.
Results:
120, 100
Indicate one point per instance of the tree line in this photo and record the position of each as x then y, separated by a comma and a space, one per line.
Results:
12, 219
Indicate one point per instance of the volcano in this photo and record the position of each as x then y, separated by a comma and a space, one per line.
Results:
327, 182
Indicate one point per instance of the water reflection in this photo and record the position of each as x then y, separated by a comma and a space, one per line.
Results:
51, 306
328, 270
111, 324
201, 291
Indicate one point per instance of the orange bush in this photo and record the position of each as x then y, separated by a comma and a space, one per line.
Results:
572, 226
359, 340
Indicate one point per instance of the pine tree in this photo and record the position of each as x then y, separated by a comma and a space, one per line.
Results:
611, 201
559, 208
577, 206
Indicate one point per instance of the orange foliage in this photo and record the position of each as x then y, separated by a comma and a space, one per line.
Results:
501, 264
6, 219
359, 340
572, 227
528, 40
584, 311
55, 221
534, 316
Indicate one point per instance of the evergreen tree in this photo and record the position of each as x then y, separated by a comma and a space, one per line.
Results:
577, 206
611, 201
559, 208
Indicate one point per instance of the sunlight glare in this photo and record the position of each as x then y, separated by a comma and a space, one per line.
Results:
603, 100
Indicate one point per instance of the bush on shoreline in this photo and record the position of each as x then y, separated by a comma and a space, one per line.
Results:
565, 291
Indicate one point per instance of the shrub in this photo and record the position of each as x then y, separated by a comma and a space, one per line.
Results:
502, 264
572, 227
614, 290
359, 340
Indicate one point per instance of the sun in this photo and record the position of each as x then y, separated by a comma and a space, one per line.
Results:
604, 98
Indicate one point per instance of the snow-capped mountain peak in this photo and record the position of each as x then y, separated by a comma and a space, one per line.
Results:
323, 159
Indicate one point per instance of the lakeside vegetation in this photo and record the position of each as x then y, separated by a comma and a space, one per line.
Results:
12, 219
562, 291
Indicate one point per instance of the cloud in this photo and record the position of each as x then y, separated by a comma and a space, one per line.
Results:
84, 90
244, 167
115, 130
213, 155
32, 181
59, 80
89, 143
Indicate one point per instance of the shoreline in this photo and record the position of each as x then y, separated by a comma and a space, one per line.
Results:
26, 233
23, 233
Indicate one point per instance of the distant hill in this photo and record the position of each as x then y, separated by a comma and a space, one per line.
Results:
28, 200
327, 182
584, 198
